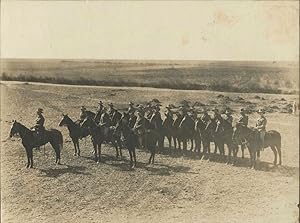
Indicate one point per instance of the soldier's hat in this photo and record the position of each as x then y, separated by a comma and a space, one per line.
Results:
168, 107
110, 104
215, 109
261, 111
100, 103
227, 112
242, 110
140, 107
40, 110
83, 108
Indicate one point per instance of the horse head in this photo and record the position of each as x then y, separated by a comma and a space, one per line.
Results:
65, 120
14, 128
88, 122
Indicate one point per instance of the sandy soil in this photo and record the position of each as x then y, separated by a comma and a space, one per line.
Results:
175, 189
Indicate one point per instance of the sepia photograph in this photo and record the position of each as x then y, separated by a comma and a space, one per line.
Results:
149, 111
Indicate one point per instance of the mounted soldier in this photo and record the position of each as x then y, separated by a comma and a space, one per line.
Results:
83, 115
156, 119
169, 112
105, 121
111, 109
228, 117
205, 118
99, 112
243, 120
216, 116
116, 116
39, 125
261, 127
140, 127
131, 108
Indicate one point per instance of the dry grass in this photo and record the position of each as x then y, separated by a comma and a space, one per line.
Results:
264, 77
175, 189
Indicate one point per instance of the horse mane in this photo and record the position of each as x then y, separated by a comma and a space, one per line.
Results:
23, 126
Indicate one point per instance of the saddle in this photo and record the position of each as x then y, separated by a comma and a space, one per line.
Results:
39, 134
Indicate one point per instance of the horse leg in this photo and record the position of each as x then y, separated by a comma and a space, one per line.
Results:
28, 158
75, 146
99, 152
134, 156
279, 153
131, 161
57, 152
243, 150
153, 154
120, 147
275, 154
170, 141
117, 151
175, 142
184, 141
78, 149
95, 151
229, 154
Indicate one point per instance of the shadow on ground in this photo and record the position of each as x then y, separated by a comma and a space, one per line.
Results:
78, 170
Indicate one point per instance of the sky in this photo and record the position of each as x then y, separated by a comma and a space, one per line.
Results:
194, 30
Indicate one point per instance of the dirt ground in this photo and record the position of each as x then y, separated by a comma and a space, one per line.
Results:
175, 189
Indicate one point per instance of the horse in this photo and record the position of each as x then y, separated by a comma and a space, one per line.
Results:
204, 130
176, 132
128, 138
149, 136
250, 137
224, 135
187, 131
101, 134
156, 123
167, 129
75, 132
30, 140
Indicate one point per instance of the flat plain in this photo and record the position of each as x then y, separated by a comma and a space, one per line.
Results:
175, 189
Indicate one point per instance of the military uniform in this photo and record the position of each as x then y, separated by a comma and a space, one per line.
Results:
169, 113
156, 119
139, 125
131, 109
205, 118
105, 120
243, 120
39, 125
229, 119
261, 127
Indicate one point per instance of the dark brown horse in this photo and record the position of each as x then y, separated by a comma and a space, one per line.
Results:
187, 131
250, 137
75, 132
100, 135
176, 131
30, 140
223, 135
167, 129
128, 138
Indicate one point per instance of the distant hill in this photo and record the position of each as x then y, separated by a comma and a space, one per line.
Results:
236, 76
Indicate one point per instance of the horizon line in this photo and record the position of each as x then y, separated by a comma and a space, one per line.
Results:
109, 59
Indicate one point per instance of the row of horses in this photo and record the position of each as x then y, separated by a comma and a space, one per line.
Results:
178, 131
